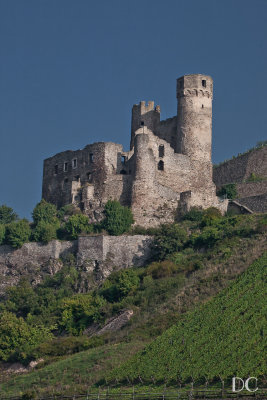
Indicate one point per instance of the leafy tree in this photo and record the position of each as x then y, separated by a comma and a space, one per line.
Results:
45, 212
80, 311
45, 232
169, 239
2, 233
78, 224
119, 284
230, 190
7, 215
18, 233
18, 339
118, 219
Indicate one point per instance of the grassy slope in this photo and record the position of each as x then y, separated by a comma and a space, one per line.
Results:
73, 374
224, 337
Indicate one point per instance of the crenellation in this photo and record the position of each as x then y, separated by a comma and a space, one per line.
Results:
166, 159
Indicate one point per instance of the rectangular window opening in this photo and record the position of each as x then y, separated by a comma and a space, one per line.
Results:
123, 159
204, 84
56, 169
74, 163
91, 157
65, 166
161, 151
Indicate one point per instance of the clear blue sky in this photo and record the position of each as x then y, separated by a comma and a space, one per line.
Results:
70, 71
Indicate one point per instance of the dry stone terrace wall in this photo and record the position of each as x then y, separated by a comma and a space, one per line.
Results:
95, 255
240, 168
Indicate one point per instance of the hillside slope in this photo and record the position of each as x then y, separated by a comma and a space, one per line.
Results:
222, 338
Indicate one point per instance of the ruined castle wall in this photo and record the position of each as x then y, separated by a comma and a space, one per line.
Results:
167, 130
62, 169
101, 255
240, 168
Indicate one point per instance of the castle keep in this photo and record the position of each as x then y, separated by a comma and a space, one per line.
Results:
168, 166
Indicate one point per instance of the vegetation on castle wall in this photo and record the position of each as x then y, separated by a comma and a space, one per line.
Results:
118, 219
44, 212
229, 190
76, 225
18, 233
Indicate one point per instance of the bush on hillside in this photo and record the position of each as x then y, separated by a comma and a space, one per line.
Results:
76, 225
229, 190
120, 284
118, 219
2, 233
80, 311
210, 216
169, 239
161, 269
18, 339
45, 212
7, 215
45, 232
18, 233
194, 214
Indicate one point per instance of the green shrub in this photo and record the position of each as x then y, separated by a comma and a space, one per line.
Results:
76, 225
207, 238
18, 233
45, 232
18, 339
210, 216
45, 212
118, 219
195, 214
120, 284
161, 269
7, 215
255, 178
169, 239
80, 311
229, 190
2, 233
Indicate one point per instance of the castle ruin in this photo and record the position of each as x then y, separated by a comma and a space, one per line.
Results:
168, 167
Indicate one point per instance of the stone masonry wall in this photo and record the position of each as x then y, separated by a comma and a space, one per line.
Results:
240, 168
101, 255
96, 256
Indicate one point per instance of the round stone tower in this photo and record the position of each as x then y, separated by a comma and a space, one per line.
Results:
194, 116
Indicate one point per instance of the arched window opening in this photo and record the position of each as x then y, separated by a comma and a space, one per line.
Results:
161, 166
161, 151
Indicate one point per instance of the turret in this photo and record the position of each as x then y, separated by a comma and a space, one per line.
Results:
144, 115
194, 116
